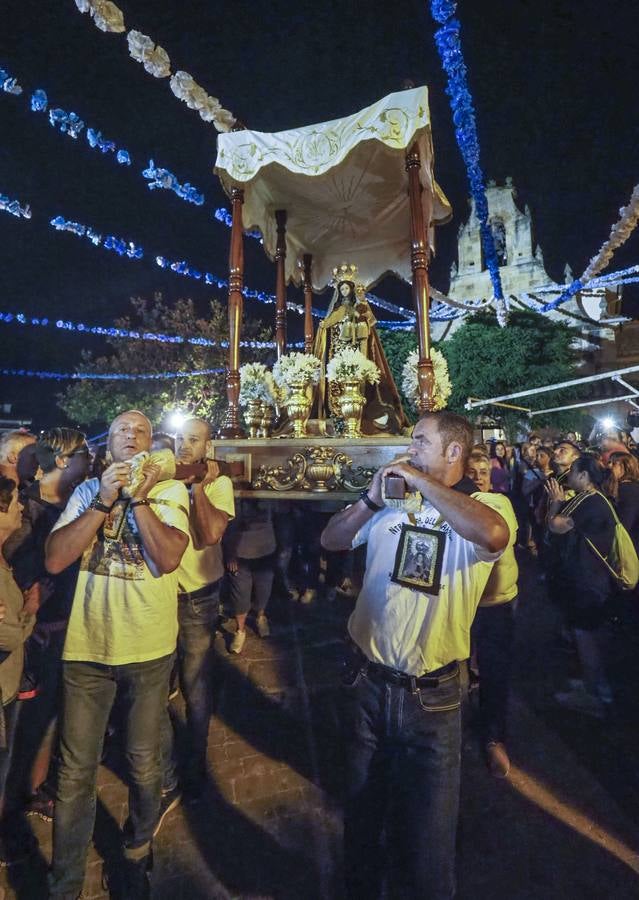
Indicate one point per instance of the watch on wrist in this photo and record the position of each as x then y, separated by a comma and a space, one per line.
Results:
375, 507
96, 503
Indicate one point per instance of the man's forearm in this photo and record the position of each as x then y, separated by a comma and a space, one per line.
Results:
471, 519
163, 544
210, 522
68, 543
344, 525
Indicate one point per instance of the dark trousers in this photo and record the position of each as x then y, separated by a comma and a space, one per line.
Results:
402, 795
89, 694
492, 633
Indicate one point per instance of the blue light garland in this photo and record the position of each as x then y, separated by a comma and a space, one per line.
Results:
449, 47
110, 376
165, 180
9, 318
110, 242
14, 208
9, 84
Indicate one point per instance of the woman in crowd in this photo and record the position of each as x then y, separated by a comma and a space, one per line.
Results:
16, 624
624, 487
493, 629
249, 553
584, 581
499, 473
63, 459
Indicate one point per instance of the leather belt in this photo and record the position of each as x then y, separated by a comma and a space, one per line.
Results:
378, 672
201, 592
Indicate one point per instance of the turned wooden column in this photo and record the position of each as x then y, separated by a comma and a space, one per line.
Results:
280, 283
232, 428
308, 303
419, 266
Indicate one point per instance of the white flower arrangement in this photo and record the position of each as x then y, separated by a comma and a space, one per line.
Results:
351, 365
210, 109
253, 382
106, 15
296, 367
410, 385
154, 58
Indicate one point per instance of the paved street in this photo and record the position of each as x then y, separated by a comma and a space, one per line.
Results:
563, 825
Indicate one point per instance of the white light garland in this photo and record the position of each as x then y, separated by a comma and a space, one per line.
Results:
108, 17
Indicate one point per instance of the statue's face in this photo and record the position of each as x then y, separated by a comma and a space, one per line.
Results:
345, 289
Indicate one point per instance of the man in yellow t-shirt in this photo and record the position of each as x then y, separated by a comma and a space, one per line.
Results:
120, 643
493, 628
199, 578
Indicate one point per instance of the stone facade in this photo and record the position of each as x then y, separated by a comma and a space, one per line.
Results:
595, 313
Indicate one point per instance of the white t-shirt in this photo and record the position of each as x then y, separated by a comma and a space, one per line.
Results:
201, 567
405, 628
124, 610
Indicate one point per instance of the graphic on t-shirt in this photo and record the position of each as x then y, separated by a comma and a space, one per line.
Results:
117, 548
418, 562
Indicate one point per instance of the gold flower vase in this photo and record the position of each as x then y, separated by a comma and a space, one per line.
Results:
266, 423
351, 405
298, 406
253, 414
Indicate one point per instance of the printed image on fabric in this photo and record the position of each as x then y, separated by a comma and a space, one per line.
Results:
117, 548
418, 563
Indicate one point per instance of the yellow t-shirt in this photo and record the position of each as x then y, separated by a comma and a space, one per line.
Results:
502, 581
124, 610
201, 567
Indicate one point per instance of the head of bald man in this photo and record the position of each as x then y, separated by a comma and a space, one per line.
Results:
191, 441
130, 433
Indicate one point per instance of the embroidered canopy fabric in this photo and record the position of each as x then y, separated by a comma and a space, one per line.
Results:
343, 185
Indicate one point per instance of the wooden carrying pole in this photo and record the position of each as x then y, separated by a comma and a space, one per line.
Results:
280, 283
308, 303
232, 428
419, 266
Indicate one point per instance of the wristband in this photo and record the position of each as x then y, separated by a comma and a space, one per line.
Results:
375, 507
98, 505
141, 502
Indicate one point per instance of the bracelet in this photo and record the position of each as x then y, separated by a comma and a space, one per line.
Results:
142, 502
375, 507
98, 505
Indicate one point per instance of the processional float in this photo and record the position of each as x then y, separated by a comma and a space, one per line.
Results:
353, 194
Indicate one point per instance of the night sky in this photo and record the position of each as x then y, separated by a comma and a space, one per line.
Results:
554, 84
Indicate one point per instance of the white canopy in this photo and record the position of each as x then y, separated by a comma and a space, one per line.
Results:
343, 185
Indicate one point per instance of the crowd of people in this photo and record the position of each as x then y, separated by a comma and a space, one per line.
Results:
111, 592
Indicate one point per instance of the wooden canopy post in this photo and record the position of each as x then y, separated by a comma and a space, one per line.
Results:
280, 282
232, 428
308, 303
419, 266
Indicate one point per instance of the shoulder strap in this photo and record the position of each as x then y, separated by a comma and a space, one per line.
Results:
172, 503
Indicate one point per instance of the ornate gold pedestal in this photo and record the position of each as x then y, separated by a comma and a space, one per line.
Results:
311, 468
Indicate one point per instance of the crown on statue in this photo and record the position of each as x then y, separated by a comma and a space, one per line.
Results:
345, 272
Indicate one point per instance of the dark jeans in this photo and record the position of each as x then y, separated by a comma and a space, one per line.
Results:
89, 694
10, 713
492, 633
402, 767
197, 617
253, 577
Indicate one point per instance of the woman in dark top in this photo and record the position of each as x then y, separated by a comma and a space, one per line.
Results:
585, 582
624, 488
499, 473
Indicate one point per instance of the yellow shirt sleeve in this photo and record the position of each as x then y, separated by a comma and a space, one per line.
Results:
219, 493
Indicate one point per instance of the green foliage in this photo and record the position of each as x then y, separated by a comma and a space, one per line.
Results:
485, 360
98, 402
397, 345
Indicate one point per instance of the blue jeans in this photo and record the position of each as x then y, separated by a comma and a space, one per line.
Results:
402, 792
89, 694
198, 613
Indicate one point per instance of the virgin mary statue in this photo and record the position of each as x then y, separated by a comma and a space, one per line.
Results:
350, 322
